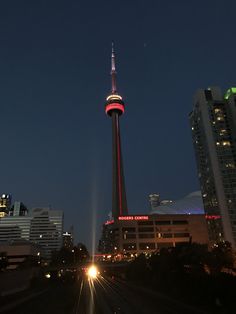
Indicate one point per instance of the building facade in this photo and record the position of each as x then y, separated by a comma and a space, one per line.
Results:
5, 204
20, 253
213, 123
68, 240
41, 226
132, 235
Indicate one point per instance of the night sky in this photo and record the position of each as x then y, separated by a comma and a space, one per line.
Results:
55, 76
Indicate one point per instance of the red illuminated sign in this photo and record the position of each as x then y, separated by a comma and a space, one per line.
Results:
109, 222
212, 217
133, 218
115, 106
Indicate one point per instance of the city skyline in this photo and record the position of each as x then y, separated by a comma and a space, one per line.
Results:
53, 84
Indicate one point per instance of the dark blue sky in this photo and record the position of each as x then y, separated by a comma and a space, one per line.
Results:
54, 78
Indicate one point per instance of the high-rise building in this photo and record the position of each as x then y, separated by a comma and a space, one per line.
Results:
68, 240
5, 204
41, 226
18, 209
115, 108
154, 200
213, 122
46, 229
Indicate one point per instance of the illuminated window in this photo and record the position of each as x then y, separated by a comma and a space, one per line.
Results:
223, 132
230, 165
147, 246
129, 236
129, 246
226, 143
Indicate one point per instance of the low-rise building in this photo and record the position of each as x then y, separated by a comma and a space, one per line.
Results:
20, 254
135, 234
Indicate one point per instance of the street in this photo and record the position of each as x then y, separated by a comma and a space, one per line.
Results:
102, 295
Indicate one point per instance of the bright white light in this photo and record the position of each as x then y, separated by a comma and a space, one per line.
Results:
48, 276
92, 272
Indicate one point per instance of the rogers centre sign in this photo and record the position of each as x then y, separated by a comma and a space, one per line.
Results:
133, 218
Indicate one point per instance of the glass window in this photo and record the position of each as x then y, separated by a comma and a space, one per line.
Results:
147, 246
128, 229
146, 235
146, 229
129, 246
180, 222
163, 222
181, 235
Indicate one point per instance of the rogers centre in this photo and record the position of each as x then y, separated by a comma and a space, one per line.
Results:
130, 235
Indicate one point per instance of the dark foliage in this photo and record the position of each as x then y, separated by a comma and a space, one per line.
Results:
70, 256
3, 261
191, 273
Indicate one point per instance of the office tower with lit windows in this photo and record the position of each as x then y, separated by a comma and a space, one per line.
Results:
5, 204
213, 123
114, 108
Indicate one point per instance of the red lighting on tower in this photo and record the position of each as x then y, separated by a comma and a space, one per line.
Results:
115, 108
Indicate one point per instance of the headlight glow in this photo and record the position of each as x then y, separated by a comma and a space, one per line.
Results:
92, 272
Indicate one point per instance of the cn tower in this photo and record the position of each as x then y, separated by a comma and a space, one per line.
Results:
114, 108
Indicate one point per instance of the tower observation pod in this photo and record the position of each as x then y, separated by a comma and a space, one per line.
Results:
114, 108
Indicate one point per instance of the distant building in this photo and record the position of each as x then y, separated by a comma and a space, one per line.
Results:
46, 229
213, 123
42, 226
131, 235
154, 200
190, 204
19, 253
5, 204
18, 209
68, 240
13, 228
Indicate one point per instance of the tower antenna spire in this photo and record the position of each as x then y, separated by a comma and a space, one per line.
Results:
113, 70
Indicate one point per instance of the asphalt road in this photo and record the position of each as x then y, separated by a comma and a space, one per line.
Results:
112, 296
103, 295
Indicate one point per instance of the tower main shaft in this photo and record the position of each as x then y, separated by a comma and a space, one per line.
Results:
114, 108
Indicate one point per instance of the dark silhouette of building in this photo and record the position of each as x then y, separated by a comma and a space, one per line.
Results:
67, 240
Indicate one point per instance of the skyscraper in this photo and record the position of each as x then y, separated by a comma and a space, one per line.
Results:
115, 108
41, 226
213, 122
5, 204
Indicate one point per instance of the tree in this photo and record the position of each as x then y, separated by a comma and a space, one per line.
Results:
70, 256
3, 261
221, 256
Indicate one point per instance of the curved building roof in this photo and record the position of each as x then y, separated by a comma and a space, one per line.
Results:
190, 204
